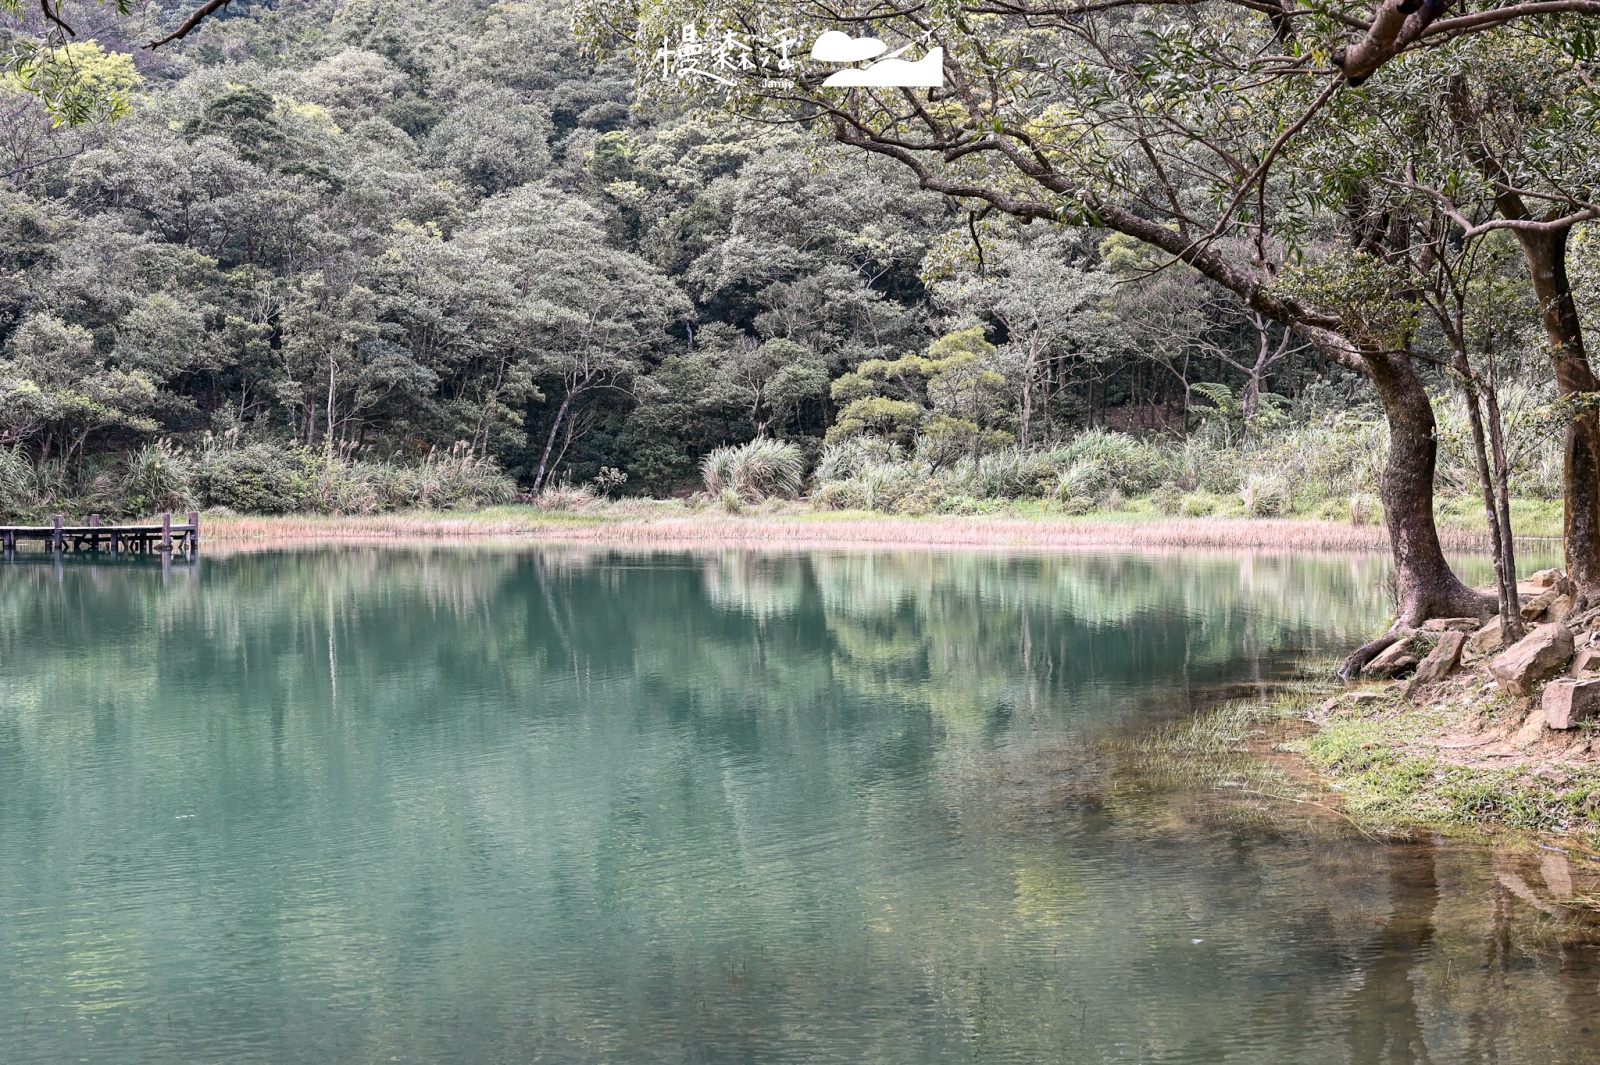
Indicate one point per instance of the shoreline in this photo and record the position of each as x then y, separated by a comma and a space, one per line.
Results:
670, 525
1458, 758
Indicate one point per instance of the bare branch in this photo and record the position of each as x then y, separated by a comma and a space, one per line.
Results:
1500, 15
55, 17
211, 7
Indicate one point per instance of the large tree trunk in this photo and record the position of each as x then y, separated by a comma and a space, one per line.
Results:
1425, 585
1546, 252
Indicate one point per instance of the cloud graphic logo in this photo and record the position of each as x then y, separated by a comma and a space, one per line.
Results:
893, 73
836, 47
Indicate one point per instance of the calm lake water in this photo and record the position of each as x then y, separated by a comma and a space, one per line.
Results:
494, 805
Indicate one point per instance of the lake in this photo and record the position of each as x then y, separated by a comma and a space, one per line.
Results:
546, 805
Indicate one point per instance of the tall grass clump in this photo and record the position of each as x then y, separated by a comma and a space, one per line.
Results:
260, 478
18, 488
155, 479
762, 469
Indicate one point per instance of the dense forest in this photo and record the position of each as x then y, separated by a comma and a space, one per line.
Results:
357, 254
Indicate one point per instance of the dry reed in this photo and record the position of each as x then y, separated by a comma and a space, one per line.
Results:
630, 527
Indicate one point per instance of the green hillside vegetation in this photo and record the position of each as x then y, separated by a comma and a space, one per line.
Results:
354, 257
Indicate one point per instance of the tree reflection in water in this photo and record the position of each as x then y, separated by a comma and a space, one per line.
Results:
504, 804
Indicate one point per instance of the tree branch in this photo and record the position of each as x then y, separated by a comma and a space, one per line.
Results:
211, 7
1395, 26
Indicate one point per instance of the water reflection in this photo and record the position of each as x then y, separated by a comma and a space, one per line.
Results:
497, 805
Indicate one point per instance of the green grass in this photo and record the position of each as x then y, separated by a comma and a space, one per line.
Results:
1529, 517
1387, 783
1371, 764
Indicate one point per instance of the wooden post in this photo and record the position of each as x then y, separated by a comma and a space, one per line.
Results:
58, 540
94, 537
166, 531
194, 530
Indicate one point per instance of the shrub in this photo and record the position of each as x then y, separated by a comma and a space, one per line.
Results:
963, 505
1167, 499
837, 495
608, 481
1265, 495
847, 458
1130, 465
1196, 505
1202, 468
18, 484
1086, 477
458, 478
562, 496
923, 497
761, 469
262, 479
156, 479
253, 479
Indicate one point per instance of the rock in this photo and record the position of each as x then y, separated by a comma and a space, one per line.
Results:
1535, 608
1488, 638
1451, 625
1404, 666
1586, 660
1567, 702
1558, 610
1538, 656
1442, 661
1532, 730
1394, 660
1547, 578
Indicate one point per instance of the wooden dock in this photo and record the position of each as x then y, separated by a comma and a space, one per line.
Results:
135, 539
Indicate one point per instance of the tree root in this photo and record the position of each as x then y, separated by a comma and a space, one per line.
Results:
1352, 667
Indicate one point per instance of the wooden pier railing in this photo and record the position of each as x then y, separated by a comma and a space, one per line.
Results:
60, 536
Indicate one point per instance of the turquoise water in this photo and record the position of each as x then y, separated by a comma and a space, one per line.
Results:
494, 805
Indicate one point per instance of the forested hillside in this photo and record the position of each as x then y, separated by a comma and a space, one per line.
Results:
353, 255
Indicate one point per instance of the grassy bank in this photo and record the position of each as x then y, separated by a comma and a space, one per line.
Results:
1459, 758
1019, 525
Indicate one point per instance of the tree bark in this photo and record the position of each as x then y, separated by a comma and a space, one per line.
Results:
1500, 541
1027, 391
1512, 622
1425, 585
1546, 252
550, 443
